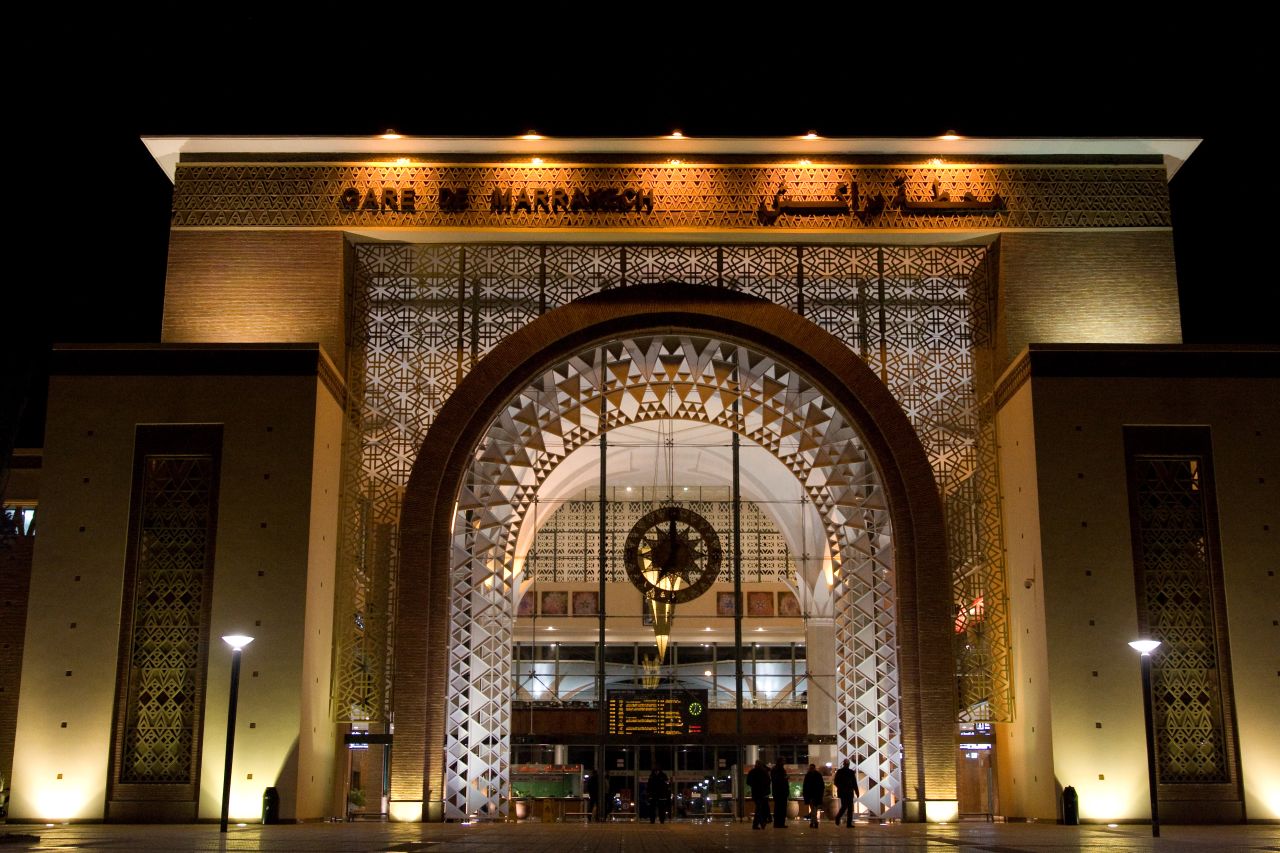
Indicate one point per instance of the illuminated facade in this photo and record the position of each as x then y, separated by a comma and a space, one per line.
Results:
414, 395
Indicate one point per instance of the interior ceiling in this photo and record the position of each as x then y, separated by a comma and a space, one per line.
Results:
701, 455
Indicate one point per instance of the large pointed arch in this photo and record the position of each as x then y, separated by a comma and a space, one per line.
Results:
422, 622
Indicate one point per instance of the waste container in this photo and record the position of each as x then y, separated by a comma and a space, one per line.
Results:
1070, 806
270, 806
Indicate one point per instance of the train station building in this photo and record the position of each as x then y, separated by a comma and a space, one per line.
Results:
533, 464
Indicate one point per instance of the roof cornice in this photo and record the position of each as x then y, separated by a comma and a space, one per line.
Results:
168, 150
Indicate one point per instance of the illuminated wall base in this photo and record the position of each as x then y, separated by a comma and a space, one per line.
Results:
406, 811
942, 811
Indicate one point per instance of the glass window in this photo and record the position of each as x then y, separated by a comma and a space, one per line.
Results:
620, 654
578, 653
694, 653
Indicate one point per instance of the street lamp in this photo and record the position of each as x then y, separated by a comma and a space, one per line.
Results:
1146, 647
237, 642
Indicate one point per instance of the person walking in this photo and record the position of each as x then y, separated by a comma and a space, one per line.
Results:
781, 793
811, 790
659, 791
758, 782
846, 782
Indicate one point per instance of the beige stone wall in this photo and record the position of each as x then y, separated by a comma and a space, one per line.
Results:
1095, 287
257, 287
277, 489
317, 732
1089, 593
1024, 746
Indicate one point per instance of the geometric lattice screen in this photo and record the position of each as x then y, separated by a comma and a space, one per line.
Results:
168, 605
566, 547
635, 380
1177, 581
921, 317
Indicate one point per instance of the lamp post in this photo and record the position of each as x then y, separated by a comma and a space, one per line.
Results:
1146, 647
237, 642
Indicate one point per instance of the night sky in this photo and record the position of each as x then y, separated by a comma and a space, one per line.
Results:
92, 267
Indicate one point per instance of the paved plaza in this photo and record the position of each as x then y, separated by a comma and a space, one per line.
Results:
634, 838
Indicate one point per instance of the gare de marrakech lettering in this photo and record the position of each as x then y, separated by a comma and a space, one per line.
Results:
504, 200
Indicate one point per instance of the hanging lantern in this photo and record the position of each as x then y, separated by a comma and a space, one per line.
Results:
663, 613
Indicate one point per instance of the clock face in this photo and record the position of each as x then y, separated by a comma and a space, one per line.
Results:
672, 555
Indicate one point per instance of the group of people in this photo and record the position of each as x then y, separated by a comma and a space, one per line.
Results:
764, 782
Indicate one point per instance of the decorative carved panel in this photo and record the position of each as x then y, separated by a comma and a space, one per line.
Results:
920, 316
566, 547
1181, 604
164, 644
393, 195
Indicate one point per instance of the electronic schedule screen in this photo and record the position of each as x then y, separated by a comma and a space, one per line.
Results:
658, 713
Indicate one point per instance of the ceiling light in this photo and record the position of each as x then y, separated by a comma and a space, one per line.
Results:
390, 134
532, 135
811, 135
950, 136
675, 134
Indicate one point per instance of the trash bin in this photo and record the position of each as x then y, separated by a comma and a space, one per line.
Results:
270, 806
1070, 806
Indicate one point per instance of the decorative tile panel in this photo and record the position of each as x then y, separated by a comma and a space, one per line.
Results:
658, 196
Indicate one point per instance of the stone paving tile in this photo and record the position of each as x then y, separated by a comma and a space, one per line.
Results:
639, 838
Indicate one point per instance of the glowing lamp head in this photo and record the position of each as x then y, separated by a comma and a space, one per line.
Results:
1145, 647
811, 135
390, 134
531, 135
950, 136
237, 641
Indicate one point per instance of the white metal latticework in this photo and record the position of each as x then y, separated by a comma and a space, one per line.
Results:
632, 381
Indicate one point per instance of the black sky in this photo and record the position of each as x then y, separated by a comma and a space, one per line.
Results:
90, 265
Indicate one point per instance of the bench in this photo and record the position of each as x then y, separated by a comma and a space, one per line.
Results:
584, 816
616, 816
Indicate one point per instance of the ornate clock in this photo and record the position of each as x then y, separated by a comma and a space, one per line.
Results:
672, 555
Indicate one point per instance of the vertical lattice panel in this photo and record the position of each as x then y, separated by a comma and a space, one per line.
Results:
1177, 583
168, 607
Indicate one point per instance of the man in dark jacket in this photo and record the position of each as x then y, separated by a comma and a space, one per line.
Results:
659, 791
811, 790
781, 794
846, 782
758, 782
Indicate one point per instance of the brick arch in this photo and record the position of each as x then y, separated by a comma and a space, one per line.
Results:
449, 451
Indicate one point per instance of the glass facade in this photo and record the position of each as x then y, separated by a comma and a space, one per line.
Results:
564, 675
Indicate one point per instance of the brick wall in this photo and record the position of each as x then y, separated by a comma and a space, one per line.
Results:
1115, 287
257, 287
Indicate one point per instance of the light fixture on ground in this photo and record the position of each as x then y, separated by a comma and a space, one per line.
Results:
237, 642
1146, 647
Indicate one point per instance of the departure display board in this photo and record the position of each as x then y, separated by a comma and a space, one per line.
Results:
658, 713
